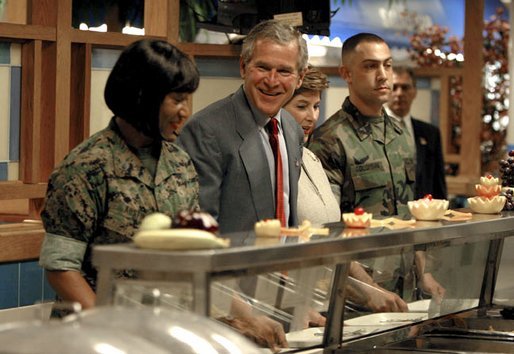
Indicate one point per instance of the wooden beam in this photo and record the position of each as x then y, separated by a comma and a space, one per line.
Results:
471, 121
48, 110
30, 134
173, 21
106, 39
62, 80
19, 190
10, 31
21, 241
444, 115
155, 21
42, 12
80, 92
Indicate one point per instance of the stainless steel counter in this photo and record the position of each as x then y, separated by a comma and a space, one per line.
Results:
244, 258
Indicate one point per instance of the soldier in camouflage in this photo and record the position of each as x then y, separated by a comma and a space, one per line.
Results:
104, 188
365, 153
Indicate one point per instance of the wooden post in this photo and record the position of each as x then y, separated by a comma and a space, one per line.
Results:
470, 165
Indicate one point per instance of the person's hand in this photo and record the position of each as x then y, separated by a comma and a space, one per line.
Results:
381, 300
261, 329
429, 285
314, 319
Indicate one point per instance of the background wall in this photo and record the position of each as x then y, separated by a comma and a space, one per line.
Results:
220, 77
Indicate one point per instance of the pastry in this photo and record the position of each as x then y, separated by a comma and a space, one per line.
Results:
428, 208
358, 219
488, 199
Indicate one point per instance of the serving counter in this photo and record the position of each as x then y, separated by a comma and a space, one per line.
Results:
292, 278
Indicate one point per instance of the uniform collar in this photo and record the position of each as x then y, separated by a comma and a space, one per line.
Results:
127, 165
363, 124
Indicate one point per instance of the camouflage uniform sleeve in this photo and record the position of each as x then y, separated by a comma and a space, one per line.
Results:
61, 253
332, 155
70, 217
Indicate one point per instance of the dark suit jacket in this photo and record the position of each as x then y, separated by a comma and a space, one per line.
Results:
225, 145
430, 177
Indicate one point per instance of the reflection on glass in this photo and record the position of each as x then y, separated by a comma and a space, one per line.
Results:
125, 16
422, 278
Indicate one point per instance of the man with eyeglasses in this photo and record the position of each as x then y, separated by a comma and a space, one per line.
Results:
424, 138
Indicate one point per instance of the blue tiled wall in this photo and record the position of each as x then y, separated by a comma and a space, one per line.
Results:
23, 283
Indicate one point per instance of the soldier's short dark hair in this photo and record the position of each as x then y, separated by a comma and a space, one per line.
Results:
147, 71
353, 41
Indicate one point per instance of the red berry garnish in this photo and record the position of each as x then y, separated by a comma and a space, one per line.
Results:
358, 211
489, 176
428, 196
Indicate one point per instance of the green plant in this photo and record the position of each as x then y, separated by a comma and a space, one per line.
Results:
190, 13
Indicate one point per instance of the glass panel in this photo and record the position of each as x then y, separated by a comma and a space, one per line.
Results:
293, 285
108, 16
427, 279
504, 291
297, 299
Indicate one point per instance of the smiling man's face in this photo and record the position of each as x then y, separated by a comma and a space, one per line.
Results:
271, 75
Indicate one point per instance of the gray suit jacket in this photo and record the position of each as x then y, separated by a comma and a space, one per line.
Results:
224, 143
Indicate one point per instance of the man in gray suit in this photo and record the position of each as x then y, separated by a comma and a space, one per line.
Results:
228, 141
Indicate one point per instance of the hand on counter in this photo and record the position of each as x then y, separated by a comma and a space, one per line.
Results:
429, 285
381, 300
261, 329
374, 297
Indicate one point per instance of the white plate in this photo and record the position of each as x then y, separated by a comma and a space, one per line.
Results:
305, 337
419, 306
314, 335
387, 318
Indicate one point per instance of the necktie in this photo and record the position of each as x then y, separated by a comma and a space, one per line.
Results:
279, 181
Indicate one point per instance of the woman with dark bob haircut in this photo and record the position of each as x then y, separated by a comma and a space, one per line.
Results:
145, 73
104, 187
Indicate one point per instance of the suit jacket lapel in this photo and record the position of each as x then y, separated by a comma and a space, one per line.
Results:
294, 149
420, 148
253, 155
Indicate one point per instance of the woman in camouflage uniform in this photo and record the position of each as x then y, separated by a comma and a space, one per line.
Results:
105, 186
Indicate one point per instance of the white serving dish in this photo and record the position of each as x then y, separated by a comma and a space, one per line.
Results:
483, 205
387, 319
314, 336
428, 209
419, 306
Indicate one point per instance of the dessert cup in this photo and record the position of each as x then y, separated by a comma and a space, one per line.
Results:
483, 205
357, 221
428, 209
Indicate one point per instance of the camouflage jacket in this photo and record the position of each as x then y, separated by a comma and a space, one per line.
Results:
368, 166
100, 193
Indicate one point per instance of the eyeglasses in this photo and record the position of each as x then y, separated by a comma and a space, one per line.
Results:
404, 87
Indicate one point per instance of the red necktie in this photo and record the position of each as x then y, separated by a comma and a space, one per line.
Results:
279, 180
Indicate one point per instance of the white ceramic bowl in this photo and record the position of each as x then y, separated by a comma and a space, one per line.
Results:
487, 205
427, 210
